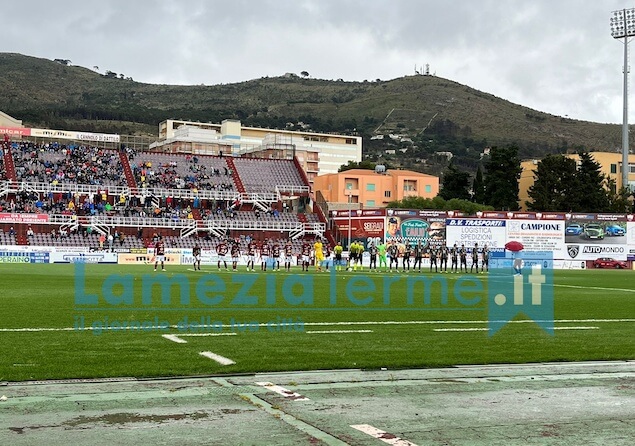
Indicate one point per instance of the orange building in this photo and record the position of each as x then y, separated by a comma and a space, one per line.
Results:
373, 189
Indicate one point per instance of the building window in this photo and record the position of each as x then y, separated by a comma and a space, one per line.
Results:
613, 168
370, 202
387, 194
631, 168
370, 187
410, 185
428, 189
349, 186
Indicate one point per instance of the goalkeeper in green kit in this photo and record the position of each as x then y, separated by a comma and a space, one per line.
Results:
381, 249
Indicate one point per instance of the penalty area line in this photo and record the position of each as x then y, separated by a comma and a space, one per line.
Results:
177, 337
218, 358
486, 329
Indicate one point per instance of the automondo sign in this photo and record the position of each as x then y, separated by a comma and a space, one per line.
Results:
463, 231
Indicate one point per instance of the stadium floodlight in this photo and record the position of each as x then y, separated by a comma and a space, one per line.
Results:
623, 27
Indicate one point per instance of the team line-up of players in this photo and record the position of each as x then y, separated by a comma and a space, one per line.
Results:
323, 257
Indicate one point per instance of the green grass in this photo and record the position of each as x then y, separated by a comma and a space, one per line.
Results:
43, 296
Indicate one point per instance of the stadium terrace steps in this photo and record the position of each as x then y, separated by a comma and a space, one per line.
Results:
127, 170
9, 165
239, 184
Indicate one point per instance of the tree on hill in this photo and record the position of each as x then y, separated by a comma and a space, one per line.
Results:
554, 185
478, 186
456, 184
591, 191
501, 178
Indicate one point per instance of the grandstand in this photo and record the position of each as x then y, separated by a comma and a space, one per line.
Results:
66, 195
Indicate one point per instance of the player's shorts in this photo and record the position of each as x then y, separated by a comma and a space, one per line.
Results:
221, 257
159, 258
251, 258
234, 258
319, 257
338, 257
305, 258
197, 257
264, 258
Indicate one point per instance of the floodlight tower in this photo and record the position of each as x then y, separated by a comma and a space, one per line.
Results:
623, 27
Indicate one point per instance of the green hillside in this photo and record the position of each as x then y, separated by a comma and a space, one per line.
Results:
436, 113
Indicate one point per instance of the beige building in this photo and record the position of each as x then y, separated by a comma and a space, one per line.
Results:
371, 189
318, 153
610, 165
9, 121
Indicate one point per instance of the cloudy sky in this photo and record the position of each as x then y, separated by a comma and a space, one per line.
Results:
555, 56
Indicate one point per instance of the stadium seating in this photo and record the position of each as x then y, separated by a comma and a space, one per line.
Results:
145, 184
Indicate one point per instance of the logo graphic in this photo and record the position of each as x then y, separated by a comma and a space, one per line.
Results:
573, 250
521, 283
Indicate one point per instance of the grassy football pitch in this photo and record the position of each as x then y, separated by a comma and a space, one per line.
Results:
61, 321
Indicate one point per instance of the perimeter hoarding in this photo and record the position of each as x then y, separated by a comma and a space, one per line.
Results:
367, 226
414, 226
590, 236
468, 231
539, 235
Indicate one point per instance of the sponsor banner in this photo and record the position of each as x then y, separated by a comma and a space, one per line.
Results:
569, 264
359, 213
538, 235
551, 216
141, 259
604, 233
15, 131
466, 232
48, 133
416, 213
488, 214
592, 252
83, 257
366, 229
72, 249
611, 217
412, 229
524, 215
101, 137
24, 257
8, 217
80, 136
25, 248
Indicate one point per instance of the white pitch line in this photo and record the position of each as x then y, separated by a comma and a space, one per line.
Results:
594, 288
486, 329
174, 338
338, 331
576, 328
177, 337
282, 391
207, 334
218, 358
460, 329
382, 435
329, 324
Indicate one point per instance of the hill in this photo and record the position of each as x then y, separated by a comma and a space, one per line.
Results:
436, 114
